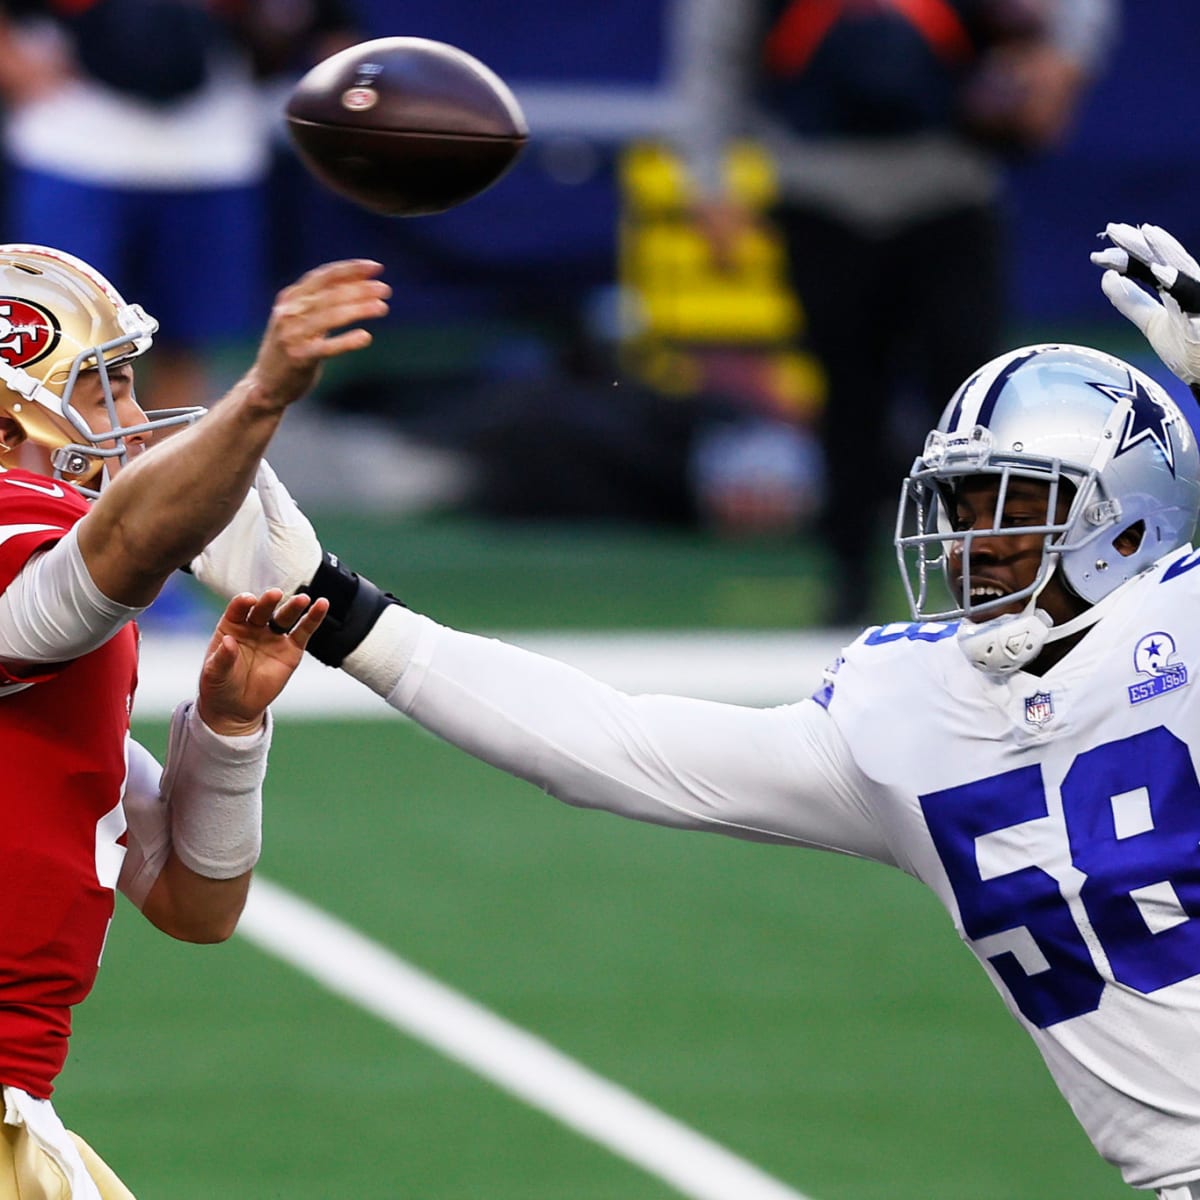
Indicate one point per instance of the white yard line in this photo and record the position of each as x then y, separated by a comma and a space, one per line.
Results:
378, 981
739, 668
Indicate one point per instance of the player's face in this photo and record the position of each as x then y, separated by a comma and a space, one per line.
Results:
1006, 564
89, 401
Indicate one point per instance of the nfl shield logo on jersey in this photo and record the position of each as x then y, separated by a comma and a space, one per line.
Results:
1039, 708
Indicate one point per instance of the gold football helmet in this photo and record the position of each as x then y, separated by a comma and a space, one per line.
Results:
59, 317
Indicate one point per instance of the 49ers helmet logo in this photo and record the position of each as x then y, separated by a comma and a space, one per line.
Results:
28, 332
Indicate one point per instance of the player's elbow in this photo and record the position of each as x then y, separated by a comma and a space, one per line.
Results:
203, 929
210, 930
193, 908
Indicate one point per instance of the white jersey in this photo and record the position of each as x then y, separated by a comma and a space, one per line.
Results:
1058, 818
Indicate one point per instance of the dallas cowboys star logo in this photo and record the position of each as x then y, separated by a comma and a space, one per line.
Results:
1147, 418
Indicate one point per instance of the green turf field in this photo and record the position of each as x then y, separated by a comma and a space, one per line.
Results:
816, 1016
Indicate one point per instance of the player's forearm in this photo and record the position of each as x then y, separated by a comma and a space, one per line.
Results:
669, 760
765, 775
195, 828
166, 505
192, 907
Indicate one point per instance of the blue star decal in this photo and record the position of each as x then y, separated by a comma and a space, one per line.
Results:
1147, 419
1153, 649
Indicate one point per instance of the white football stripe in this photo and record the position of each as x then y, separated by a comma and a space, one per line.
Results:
738, 668
371, 976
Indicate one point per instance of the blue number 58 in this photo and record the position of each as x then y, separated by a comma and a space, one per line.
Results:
1132, 812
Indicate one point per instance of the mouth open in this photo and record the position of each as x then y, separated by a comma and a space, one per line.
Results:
985, 598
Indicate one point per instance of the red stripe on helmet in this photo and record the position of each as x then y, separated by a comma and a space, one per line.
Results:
803, 25
800, 30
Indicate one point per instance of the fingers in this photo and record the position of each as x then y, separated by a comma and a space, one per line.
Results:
1184, 289
222, 656
1112, 258
346, 268
317, 318
237, 611
1130, 238
1129, 299
259, 611
296, 618
308, 624
335, 295
1167, 250
1152, 256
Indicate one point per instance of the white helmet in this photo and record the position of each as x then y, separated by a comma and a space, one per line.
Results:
1054, 413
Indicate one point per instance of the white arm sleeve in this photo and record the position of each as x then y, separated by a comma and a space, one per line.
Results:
206, 805
148, 821
780, 775
52, 611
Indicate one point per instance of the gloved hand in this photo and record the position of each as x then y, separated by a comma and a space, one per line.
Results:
269, 543
1151, 256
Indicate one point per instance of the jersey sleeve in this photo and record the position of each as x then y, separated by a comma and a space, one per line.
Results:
776, 775
51, 611
33, 516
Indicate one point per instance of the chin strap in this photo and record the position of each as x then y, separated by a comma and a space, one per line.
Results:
1006, 644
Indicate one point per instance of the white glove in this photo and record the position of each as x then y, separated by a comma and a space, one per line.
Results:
1150, 253
269, 543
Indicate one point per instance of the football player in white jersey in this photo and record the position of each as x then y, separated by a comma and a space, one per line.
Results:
1026, 745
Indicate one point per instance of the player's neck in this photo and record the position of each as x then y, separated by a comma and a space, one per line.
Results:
1053, 653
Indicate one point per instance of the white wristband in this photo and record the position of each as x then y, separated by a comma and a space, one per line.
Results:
213, 787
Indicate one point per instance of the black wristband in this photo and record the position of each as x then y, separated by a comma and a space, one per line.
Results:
354, 606
1195, 389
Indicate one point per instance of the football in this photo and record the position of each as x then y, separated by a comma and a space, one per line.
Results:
405, 126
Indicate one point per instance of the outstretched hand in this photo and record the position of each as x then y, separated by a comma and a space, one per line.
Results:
257, 646
1149, 255
303, 330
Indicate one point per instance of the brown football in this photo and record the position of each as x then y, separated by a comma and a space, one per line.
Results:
405, 126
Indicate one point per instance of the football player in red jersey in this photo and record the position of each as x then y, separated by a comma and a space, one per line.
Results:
86, 809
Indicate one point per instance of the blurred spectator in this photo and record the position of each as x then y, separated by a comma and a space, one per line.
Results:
578, 446
889, 122
674, 398
721, 332
138, 138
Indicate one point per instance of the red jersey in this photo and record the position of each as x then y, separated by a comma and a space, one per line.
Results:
62, 832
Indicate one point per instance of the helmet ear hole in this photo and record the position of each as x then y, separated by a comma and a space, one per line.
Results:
11, 434
1129, 541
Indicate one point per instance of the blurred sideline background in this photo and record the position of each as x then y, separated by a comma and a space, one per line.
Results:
814, 1015
509, 388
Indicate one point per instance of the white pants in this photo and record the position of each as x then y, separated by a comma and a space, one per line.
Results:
46, 1131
